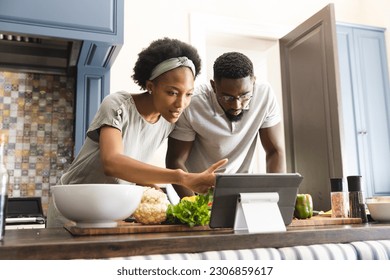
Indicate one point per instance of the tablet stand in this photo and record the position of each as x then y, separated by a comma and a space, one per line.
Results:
258, 213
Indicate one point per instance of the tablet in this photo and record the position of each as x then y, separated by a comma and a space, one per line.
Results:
229, 186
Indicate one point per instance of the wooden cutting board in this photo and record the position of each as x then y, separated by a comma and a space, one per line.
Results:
127, 228
322, 221
132, 228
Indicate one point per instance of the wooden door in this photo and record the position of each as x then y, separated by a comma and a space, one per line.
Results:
310, 87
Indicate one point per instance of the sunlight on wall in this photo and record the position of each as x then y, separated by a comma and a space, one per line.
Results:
143, 24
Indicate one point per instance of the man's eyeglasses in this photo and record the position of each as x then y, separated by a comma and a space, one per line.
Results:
230, 99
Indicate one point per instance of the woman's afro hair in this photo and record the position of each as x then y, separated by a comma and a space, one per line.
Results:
158, 51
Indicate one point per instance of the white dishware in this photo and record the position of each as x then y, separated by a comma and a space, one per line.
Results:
379, 208
97, 205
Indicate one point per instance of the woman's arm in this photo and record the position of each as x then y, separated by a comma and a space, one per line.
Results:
118, 165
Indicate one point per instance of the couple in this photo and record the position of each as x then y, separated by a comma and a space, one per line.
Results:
219, 129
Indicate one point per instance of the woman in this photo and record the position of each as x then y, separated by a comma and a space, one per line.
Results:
128, 128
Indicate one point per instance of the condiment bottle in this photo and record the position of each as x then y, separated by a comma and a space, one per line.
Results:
339, 199
3, 188
357, 208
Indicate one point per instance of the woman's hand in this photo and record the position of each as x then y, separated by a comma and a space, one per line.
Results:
202, 182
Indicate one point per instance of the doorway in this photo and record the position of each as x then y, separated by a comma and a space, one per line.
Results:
213, 36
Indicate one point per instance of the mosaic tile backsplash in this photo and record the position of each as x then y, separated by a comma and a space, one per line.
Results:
37, 119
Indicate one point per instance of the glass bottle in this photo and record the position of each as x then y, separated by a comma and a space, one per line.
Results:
357, 207
3, 188
339, 199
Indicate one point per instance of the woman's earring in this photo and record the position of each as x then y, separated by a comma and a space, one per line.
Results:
149, 91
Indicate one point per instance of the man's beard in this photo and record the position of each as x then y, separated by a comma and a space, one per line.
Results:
234, 118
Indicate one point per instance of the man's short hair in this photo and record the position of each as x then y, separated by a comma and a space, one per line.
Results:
232, 65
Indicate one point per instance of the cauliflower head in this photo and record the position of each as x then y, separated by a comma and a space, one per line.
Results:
153, 207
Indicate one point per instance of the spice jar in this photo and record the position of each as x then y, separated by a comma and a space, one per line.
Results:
357, 208
338, 198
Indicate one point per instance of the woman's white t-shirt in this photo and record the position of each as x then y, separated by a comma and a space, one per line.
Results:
140, 139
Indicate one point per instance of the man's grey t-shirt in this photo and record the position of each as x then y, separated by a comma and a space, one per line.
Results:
140, 139
216, 137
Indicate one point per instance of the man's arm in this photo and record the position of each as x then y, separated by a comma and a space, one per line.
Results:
272, 141
176, 157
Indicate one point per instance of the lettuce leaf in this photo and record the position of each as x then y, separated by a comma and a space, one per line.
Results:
191, 213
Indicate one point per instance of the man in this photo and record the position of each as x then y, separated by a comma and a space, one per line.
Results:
225, 120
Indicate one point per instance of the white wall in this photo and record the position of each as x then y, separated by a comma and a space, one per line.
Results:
148, 20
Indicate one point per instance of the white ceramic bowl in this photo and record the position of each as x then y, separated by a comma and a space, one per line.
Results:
97, 205
379, 208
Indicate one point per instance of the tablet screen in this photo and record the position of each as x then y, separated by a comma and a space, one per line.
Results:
229, 186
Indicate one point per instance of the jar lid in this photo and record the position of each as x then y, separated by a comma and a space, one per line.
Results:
336, 184
354, 183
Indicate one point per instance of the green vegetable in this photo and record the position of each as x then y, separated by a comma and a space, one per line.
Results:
303, 206
191, 213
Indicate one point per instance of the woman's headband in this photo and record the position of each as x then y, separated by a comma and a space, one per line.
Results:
170, 64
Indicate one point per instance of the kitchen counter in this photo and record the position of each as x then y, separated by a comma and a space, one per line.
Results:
60, 244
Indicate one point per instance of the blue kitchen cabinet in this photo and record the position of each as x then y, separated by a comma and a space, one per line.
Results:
96, 24
365, 106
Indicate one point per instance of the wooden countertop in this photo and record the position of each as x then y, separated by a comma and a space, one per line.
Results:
58, 243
